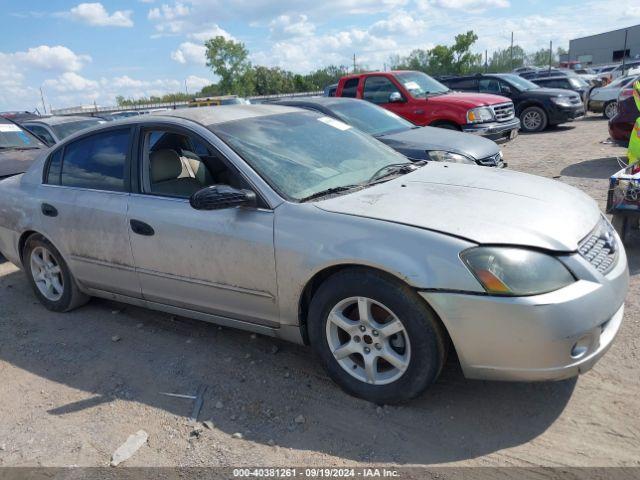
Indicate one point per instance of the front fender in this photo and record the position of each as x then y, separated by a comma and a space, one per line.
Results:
309, 240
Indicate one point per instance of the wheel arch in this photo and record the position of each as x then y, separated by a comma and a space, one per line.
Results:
530, 103
322, 275
442, 122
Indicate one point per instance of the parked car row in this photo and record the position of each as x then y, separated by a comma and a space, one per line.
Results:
536, 106
294, 223
605, 99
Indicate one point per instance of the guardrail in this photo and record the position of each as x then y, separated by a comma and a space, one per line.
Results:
93, 110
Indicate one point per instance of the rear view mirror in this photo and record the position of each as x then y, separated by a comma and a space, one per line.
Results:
218, 197
395, 97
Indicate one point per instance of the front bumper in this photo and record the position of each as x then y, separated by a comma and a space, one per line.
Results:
499, 132
537, 338
558, 114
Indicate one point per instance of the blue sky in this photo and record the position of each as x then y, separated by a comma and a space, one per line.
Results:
81, 53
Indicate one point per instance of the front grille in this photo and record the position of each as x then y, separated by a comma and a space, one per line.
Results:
600, 248
504, 112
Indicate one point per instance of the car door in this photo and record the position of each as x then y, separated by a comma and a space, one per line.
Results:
378, 89
220, 262
84, 210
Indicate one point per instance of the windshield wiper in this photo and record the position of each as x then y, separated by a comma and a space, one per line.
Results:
329, 191
394, 169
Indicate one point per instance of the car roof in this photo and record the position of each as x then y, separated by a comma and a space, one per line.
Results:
320, 101
60, 119
544, 79
223, 113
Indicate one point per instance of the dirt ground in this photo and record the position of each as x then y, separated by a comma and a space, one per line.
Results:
75, 386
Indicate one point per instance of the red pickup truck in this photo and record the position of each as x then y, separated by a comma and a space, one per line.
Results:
424, 101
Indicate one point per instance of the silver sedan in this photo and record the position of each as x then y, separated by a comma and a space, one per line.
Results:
293, 224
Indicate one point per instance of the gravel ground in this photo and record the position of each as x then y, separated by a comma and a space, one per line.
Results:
75, 386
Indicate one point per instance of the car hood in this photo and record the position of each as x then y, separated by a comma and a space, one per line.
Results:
484, 205
467, 99
13, 162
421, 139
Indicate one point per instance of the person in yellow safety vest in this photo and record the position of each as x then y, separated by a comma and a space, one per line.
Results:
633, 153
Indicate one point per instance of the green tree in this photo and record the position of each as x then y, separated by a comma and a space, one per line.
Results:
229, 60
500, 60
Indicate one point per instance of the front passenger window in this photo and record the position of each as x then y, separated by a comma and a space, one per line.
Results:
378, 90
178, 165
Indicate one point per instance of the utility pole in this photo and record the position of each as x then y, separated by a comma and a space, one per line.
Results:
511, 49
486, 61
624, 51
186, 89
44, 107
354, 63
550, 53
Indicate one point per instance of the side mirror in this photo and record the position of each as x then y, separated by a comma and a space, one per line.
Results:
218, 197
395, 97
506, 90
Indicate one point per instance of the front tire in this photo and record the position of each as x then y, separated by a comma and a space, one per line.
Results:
375, 336
50, 277
533, 119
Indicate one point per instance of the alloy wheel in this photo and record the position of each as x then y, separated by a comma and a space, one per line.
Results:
47, 274
368, 340
610, 110
532, 120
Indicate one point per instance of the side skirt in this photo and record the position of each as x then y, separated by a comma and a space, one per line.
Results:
289, 333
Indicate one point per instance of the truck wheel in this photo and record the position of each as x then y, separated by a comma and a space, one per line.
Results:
534, 119
375, 336
610, 109
622, 225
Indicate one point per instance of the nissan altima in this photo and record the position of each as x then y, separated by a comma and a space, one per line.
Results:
293, 224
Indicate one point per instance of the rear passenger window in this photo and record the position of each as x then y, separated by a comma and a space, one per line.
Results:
350, 88
463, 84
55, 162
97, 161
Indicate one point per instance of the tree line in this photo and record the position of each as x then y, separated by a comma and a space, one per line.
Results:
229, 60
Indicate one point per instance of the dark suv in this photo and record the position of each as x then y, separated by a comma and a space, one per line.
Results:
537, 107
576, 84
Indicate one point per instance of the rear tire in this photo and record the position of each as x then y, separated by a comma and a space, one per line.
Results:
50, 276
610, 109
358, 319
533, 119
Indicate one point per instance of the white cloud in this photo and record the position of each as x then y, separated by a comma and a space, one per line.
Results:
71, 82
96, 15
195, 84
189, 52
400, 23
57, 57
210, 32
474, 6
285, 26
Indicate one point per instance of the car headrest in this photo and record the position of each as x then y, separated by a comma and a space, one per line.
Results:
165, 165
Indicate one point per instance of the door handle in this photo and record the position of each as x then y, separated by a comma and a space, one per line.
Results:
141, 228
49, 210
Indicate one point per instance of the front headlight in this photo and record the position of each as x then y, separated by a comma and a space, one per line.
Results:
516, 271
445, 156
479, 115
562, 101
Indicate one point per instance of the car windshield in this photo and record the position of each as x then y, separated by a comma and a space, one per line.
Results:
300, 154
370, 118
520, 83
14, 137
63, 130
577, 82
420, 84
